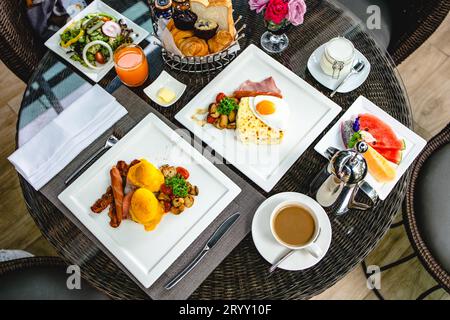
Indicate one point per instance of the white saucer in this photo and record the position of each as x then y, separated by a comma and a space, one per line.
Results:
165, 80
351, 84
271, 250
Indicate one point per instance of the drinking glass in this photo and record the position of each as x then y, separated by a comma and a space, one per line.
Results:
131, 65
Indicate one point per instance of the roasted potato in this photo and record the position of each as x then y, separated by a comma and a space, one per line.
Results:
189, 201
168, 171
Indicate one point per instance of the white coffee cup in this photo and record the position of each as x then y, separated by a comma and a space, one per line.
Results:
311, 247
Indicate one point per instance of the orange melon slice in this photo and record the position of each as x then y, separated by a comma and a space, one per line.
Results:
380, 168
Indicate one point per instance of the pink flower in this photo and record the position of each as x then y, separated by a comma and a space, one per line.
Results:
297, 10
258, 5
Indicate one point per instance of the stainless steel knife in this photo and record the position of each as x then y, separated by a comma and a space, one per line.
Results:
218, 234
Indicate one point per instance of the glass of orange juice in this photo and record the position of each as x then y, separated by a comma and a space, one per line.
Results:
131, 65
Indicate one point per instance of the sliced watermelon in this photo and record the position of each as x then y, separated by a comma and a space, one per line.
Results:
382, 132
392, 155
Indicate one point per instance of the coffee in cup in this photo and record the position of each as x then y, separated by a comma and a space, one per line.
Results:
295, 226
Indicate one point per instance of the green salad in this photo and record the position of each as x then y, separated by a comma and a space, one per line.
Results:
95, 27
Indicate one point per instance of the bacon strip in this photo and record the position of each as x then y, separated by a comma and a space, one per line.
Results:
117, 188
267, 85
113, 216
242, 94
103, 203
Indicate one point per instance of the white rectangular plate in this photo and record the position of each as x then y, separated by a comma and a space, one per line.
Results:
95, 7
148, 254
311, 112
414, 143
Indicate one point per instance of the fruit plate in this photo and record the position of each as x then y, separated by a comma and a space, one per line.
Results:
414, 143
311, 112
95, 7
147, 255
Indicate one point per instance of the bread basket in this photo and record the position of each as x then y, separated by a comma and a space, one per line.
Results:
204, 64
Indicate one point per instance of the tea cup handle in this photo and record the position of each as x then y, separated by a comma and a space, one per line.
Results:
314, 250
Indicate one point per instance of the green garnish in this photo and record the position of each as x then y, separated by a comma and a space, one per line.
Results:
178, 185
356, 137
227, 105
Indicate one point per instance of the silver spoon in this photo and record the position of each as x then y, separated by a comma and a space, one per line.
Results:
112, 140
289, 253
357, 68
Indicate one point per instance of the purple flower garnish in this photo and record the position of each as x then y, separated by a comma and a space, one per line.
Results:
356, 126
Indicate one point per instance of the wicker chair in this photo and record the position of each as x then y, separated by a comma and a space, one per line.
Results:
425, 214
414, 22
20, 49
42, 278
406, 24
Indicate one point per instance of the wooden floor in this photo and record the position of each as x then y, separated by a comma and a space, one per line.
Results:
426, 76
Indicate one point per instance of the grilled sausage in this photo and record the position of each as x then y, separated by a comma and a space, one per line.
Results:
117, 187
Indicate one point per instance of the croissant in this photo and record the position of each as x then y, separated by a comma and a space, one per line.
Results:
180, 35
194, 47
220, 41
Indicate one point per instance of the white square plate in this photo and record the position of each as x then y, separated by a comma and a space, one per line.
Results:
311, 112
95, 7
148, 254
165, 80
414, 143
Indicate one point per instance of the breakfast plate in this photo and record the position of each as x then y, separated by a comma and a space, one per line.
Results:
412, 143
148, 252
265, 164
351, 84
97, 6
268, 246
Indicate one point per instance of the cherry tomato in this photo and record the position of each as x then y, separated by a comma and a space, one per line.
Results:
210, 119
220, 96
183, 172
99, 58
166, 189
167, 206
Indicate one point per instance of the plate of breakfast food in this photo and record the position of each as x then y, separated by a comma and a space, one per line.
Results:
88, 41
392, 146
149, 197
203, 30
258, 115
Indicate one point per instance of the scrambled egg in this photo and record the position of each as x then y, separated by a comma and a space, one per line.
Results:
146, 175
145, 209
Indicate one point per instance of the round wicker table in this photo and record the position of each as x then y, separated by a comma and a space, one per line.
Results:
243, 274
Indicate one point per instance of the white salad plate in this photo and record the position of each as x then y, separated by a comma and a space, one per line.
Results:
148, 254
414, 143
310, 113
165, 80
96, 6
351, 84
268, 246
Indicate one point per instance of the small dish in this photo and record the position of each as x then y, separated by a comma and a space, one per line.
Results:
268, 246
351, 84
165, 80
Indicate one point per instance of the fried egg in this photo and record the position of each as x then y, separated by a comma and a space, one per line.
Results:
273, 111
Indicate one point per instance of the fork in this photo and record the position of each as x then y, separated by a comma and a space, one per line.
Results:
112, 140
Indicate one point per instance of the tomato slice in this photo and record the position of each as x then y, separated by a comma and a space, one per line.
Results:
166, 189
183, 172
210, 119
220, 96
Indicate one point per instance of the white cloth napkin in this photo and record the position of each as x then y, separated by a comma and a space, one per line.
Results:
55, 146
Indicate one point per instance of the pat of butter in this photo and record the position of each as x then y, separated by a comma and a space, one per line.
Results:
166, 95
